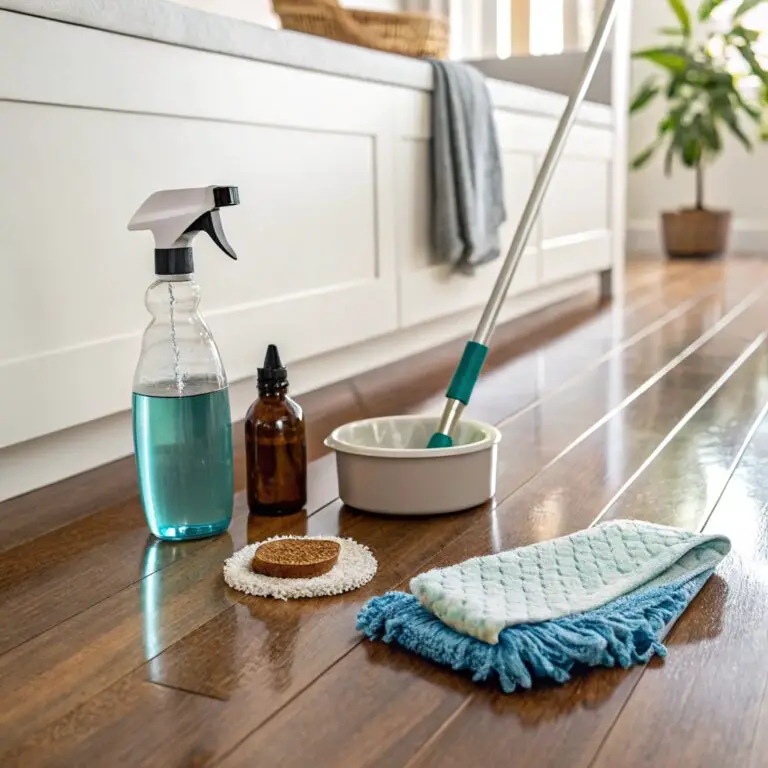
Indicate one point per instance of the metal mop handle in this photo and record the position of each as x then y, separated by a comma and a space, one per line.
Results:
474, 355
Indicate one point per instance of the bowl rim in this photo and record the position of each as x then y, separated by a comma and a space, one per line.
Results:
492, 438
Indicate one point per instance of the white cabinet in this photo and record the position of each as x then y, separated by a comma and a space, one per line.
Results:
333, 232
312, 155
575, 217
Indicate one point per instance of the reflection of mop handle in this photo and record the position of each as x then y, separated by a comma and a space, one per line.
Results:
472, 360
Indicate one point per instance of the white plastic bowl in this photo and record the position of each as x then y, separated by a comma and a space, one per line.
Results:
383, 466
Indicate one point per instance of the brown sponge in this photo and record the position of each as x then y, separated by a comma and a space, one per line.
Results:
296, 558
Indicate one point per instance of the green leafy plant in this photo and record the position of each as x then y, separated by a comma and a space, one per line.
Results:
704, 98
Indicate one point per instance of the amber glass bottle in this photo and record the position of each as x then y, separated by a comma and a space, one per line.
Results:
275, 445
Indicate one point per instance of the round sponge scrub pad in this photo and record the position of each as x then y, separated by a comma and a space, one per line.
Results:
356, 566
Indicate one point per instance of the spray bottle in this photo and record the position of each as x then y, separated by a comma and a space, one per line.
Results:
182, 428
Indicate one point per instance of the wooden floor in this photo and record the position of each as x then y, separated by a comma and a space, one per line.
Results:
118, 650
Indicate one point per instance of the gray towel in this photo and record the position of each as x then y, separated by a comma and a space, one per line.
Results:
467, 192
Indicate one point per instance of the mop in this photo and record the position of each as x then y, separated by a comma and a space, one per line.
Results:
601, 597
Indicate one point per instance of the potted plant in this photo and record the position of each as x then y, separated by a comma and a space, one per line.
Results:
704, 101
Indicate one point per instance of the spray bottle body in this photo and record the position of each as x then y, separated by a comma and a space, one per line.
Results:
181, 418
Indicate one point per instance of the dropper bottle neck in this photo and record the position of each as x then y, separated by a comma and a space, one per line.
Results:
273, 390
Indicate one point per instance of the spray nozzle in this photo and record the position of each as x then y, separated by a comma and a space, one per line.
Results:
211, 224
175, 216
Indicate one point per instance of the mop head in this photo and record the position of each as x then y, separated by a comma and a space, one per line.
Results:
601, 597
356, 566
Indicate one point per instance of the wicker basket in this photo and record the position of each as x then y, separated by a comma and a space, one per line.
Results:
410, 34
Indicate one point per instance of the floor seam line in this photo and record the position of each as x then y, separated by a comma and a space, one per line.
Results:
659, 375
697, 406
181, 689
624, 346
732, 469
443, 727
737, 460
277, 711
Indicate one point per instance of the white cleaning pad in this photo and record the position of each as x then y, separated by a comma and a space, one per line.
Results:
356, 566
562, 577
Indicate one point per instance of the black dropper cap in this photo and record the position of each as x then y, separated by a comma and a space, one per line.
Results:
273, 373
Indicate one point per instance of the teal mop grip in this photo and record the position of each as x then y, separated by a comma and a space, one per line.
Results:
468, 372
439, 440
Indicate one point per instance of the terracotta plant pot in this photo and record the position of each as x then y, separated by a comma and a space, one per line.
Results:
695, 233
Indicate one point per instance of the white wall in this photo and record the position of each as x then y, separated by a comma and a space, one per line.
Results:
260, 11
737, 181
558, 72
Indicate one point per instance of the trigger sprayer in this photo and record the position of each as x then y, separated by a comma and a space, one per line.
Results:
182, 428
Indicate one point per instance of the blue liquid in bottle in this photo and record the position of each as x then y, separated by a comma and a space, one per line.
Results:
184, 458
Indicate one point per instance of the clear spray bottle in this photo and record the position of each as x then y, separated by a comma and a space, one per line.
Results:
182, 428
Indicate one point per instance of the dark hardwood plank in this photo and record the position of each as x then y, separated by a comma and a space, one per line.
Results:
115, 638
231, 657
175, 713
57, 575
643, 273
564, 497
706, 705
693, 360
61, 573
36, 513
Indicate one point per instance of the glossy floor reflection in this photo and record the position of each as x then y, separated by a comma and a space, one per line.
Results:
117, 649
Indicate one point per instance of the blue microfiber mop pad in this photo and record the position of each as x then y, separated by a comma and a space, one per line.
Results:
602, 597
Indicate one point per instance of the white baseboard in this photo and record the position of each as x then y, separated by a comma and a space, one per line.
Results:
748, 236
53, 457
